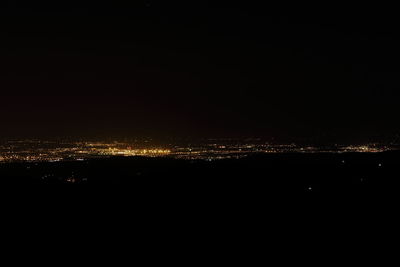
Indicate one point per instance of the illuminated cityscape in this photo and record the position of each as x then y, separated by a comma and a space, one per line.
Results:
198, 131
52, 151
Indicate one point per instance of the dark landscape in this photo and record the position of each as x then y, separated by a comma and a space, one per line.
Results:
215, 125
258, 176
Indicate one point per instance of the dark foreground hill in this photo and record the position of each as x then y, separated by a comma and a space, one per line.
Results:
237, 203
256, 176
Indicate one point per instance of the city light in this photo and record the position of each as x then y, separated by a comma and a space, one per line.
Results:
45, 151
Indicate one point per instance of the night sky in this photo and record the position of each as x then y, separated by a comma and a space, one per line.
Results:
197, 70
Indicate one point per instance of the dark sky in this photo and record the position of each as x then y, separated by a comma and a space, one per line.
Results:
198, 69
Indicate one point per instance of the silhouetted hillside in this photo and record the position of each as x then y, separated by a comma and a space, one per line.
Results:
256, 176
